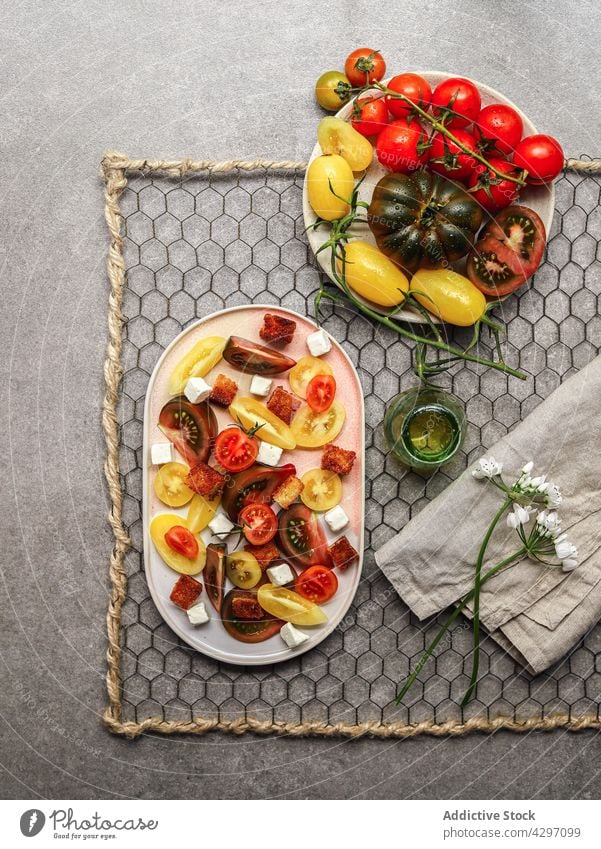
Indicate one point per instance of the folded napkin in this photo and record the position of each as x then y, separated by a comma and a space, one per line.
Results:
535, 613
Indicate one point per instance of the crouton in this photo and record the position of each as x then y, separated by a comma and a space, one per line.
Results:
288, 491
276, 328
342, 553
282, 404
265, 554
223, 391
205, 481
338, 460
246, 607
185, 592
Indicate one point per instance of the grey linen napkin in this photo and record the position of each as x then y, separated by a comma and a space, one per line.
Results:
535, 613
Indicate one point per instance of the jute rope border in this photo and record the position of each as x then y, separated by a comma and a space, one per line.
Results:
115, 168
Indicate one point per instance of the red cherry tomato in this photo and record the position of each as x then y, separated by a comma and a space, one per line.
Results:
182, 541
370, 115
494, 193
498, 128
317, 583
402, 146
259, 523
320, 392
235, 450
541, 156
459, 95
416, 88
448, 159
363, 66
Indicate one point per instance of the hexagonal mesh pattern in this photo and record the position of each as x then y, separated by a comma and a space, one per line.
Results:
197, 245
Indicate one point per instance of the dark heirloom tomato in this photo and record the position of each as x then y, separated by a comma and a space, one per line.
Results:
301, 537
190, 427
214, 573
422, 219
247, 630
255, 359
255, 484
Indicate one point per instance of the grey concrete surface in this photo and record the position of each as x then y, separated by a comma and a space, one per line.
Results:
195, 78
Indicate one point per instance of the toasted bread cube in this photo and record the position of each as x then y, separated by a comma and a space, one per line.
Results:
185, 592
288, 491
338, 460
276, 328
245, 607
265, 554
343, 554
281, 404
205, 481
223, 391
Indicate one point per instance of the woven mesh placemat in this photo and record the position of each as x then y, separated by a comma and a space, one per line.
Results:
193, 241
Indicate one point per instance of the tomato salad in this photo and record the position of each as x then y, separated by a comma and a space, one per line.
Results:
277, 539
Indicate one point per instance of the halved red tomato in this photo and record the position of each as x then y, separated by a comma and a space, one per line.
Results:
317, 583
190, 427
301, 537
259, 523
247, 630
214, 573
255, 359
320, 392
521, 229
235, 450
254, 485
182, 541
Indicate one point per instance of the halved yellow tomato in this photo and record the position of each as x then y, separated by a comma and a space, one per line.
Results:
312, 430
243, 570
170, 486
330, 182
322, 489
200, 512
176, 561
304, 371
249, 412
289, 606
197, 362
373, 275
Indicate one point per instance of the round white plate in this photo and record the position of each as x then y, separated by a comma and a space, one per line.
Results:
212, 639
539, 198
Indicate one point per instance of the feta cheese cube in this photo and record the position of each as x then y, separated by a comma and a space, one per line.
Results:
318, 343
280, 575
160, 453
197, 390
336, 519
220, 525
260, 385
292, 636
198, 614
269, 454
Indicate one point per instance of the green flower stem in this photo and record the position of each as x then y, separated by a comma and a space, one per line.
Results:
477, 584
461, 606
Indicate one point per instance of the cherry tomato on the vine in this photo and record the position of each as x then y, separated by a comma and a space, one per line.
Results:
459, 95
332, 90
364, 66
498, 128
493, 192
448, 159
541, 156
320, 392
403, 146
370, 115
416, 88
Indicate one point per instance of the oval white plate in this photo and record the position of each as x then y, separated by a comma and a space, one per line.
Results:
539, 198
212, 639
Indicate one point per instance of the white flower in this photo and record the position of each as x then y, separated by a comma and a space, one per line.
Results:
550, 522
569, 565
487, 467
520, 516
553, 496
565, 550
528, 467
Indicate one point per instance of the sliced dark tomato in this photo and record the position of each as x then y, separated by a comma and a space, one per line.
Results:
320, 392
521, 229
247, 630
301, 537
190, 427
214, 573
494, 268
259, 523
254, 485
317, 583
182, 541
255, 359
235, 450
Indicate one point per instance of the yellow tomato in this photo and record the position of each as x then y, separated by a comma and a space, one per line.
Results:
336, 136
332, 90
197, 362
328, 176
312, 430
170, 487
304, 371
243, 570
323, 489
290, 606
251, 412
158, 528
372, 275
450, 296
200, 513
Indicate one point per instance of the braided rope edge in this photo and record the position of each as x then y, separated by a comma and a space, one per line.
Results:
115, 168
